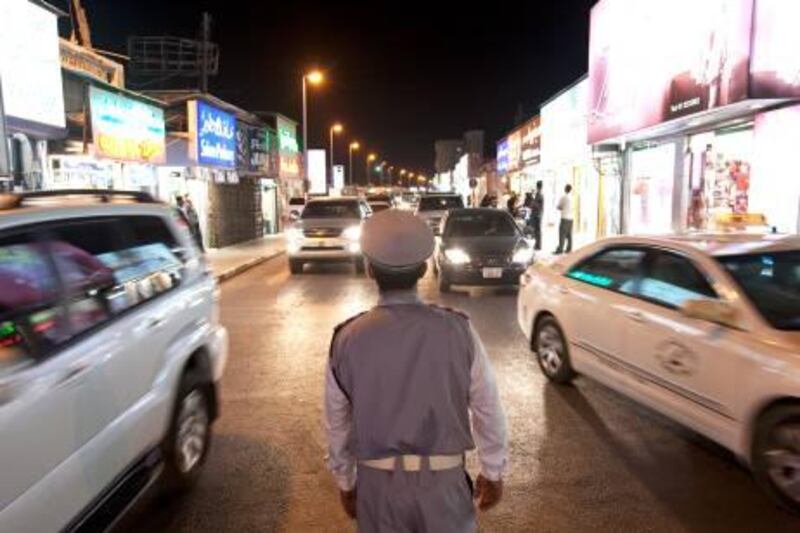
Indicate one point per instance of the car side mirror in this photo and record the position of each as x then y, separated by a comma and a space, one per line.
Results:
715, 311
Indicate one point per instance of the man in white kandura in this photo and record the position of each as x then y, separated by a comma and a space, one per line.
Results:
403, 383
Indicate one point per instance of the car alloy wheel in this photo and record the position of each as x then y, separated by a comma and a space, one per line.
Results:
782, 459
193, 427
550, 349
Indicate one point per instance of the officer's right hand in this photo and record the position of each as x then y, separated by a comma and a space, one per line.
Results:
349, 502
488, 493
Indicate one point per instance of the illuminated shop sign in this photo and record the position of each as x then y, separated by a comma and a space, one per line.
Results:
514, 150
126, 129
502, 156
213, 135
531, 141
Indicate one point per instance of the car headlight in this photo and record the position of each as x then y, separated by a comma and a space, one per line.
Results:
352, 233
457, 256
523, 256
294, 234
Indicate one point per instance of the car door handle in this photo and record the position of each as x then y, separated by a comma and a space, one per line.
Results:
73, 373
636, 316
155, 323
563, 290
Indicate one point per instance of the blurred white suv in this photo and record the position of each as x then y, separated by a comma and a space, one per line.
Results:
329, 231
110, 355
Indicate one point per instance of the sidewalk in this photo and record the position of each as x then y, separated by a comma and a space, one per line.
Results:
231, 261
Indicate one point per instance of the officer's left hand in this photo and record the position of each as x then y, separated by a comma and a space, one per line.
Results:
349, 502
488, 493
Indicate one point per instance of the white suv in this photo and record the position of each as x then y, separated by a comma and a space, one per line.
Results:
110, 354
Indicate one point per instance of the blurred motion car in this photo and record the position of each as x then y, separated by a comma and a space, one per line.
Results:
380, 202
328, 231
433, 207
480, 246
110, 355
703, 328
296, 206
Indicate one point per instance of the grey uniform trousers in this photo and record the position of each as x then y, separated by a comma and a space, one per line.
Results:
414, 502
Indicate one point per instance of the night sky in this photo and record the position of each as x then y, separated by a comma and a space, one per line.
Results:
400, 74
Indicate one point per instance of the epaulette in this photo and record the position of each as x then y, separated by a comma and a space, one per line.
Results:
338, 328
458, 312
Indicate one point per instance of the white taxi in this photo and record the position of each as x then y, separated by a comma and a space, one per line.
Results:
703, 328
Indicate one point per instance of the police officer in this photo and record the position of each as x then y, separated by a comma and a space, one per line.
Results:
401, 384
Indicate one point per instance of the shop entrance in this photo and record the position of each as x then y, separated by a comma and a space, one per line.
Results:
651, 187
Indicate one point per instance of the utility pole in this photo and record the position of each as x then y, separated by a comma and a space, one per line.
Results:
206, 35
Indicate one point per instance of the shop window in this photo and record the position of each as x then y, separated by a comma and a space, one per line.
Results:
32, 320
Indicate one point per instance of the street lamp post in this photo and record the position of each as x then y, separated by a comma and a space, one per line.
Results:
353, 146
370, 159
314, 77
336, 128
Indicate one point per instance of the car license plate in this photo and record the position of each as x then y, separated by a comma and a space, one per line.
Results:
492, 273
321, 243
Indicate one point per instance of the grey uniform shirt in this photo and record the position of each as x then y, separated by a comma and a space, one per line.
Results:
407, 378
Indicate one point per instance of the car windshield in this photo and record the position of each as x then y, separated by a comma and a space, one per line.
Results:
772, 282
343, 209
440, 203
480, 224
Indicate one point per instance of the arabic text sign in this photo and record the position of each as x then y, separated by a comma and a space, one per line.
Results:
126, 129
215, 136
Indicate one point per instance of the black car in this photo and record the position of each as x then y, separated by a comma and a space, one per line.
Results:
481, 246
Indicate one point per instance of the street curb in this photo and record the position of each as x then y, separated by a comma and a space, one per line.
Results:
241, 269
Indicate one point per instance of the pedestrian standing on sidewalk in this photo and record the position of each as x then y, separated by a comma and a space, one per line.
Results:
535, 220
401, 383
565, 227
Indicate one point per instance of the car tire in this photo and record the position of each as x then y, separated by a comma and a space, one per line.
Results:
295, 266
775, 457
187, 443
360, 266
552, 351
444, 282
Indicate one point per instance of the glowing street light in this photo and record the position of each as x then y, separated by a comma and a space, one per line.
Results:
353, 146
315, 77
336, 128
370, 158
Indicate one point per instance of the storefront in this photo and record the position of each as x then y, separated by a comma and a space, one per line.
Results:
32, 92
698, 133
567, 159
127, 140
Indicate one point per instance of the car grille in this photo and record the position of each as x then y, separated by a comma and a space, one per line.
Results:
324, 233
493, 260
322, 248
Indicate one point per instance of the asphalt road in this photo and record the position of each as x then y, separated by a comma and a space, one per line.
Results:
582, 457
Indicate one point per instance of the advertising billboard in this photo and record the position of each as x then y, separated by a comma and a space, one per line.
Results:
502, 156
30, 66
126, 129
775, 63
531, 141
212, 135
653, 61
317, 172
